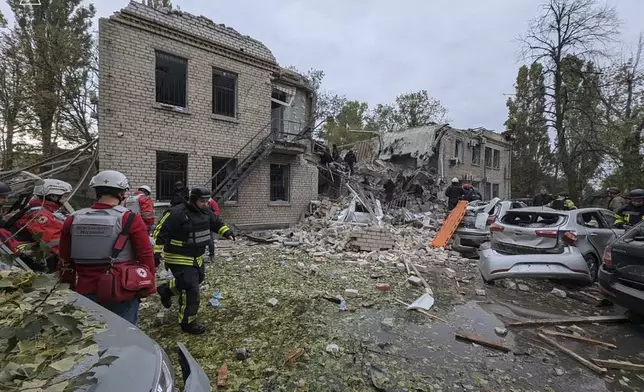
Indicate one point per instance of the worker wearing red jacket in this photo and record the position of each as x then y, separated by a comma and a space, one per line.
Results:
141, 203
38, 224
88, 242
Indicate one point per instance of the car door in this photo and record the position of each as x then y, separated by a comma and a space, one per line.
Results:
609, 218
599, 234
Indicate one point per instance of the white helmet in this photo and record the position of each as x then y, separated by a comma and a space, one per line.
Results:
454, 179
51, 186
146, 188
110, 179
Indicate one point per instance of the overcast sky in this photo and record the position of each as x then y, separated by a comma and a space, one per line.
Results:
463, 52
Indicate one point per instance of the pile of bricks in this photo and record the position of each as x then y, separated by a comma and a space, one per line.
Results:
373, 238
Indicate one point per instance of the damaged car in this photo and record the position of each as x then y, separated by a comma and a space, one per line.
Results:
539, 242
474, 229
621, 276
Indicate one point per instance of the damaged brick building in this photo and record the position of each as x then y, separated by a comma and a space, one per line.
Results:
183, 98
479, 157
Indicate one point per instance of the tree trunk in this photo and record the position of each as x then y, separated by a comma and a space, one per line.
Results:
8, 146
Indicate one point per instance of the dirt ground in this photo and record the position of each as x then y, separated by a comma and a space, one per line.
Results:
376, 344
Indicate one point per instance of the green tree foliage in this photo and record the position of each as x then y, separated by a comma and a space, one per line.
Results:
579, 28
408, 110
3, 21
337, 130
56, 41
527, 124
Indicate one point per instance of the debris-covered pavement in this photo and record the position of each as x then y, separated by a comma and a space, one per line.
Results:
307, 309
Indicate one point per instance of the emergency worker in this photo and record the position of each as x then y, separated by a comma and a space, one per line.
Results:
141, 203
631, 214
562, 202
101, 237
470, 193
453, 193
183, 233
616, 201
41, 220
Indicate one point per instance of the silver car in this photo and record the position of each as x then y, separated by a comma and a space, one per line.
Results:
467, 234
539, 242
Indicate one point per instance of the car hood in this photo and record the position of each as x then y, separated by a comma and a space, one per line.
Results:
138, 358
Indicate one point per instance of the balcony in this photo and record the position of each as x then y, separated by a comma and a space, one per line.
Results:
288, 137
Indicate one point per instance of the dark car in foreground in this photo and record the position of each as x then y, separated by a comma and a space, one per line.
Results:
621, 276
140, 364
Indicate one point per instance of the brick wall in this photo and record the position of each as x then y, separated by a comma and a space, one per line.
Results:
372, 238
127, 105
477, 173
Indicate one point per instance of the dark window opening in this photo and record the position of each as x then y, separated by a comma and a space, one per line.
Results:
458, 150
171, 79
476, 155
488, 157
171, 167
280, 182
217, 164
224, 93
496, 160
495, 190
488, 191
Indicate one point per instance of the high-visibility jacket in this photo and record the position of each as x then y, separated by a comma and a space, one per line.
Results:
629, 214
141, 204
562, 204
40, 222
183, 233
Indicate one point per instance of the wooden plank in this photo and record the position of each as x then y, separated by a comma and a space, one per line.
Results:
470, 337
450, 225
580, 338
613, 364
569, 320
573, 355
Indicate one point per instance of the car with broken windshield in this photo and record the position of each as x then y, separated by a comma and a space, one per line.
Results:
79, 343
474, 229
621, 276
539, 242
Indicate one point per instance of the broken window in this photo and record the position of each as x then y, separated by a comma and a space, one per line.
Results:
224, 93
495, 190
458, 150
280, 182
217, 164
488, 157
496, 159
488, 191
171, 167
476, 155
170, 78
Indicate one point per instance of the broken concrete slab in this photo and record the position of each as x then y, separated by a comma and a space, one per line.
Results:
558, 293
415, 280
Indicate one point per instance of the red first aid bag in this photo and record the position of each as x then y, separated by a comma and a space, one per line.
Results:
126, 281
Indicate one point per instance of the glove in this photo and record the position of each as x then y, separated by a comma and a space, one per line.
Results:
157, 259
232, 237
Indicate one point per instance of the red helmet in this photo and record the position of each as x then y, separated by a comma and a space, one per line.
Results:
467, 186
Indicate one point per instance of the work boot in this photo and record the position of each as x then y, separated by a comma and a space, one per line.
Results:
194, 328
165, 294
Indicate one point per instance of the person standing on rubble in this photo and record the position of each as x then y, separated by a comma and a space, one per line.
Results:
631, 214
180, 194
389, 190
350, 159
335, 154
182, 235
141, 203
101, 244
616, 201
542, 199
470, 193
453, 193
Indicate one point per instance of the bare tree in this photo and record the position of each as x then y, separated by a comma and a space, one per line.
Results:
579, 28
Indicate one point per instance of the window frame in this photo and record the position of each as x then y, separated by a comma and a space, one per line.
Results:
486, 156
169, 184
232, 167
286, 183
218, 88
158, 80
474, 149
498, 191
496, 159
458, 149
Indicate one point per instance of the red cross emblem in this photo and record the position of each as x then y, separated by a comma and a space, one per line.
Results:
106, 181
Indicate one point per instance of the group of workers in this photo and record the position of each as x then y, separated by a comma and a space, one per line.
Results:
112, 235
456, 192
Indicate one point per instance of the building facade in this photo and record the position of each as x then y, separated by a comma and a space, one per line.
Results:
184, 99
480, 158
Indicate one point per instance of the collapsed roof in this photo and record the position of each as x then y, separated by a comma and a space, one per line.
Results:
417, 142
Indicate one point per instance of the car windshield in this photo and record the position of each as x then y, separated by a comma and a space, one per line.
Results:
533, 218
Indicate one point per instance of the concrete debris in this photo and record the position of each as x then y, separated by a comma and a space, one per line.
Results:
273, 301
508, 284
480, 292
523, 287
387, 323
500, 331
415, 280
383, 287
559, 293
242, 354
351, 293
332, 348
450, 273
559, 372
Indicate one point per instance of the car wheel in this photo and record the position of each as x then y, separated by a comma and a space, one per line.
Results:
593, 266
488, 282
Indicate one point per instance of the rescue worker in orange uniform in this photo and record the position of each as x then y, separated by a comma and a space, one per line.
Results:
141, 203
41, 221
